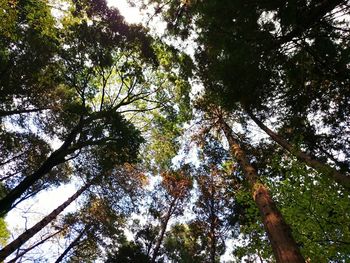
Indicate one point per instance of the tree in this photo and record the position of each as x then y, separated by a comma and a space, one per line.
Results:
215, 203
10, 248
176, 186
129, 252
100, 220
102, 85
306, 158
184, 243
289, 60
284, 247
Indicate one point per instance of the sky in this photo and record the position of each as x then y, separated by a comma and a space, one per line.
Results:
131, 14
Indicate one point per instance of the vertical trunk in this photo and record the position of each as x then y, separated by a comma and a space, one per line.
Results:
283, 245
307, 159
213, 221
212, 238
57, 157
163, 228
71, 245
24, 237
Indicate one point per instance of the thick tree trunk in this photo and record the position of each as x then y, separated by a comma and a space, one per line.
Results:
164, 225
57, 157
283, 245
302, 156
24, 237
71, 245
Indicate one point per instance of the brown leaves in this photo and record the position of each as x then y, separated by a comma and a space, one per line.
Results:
177, 184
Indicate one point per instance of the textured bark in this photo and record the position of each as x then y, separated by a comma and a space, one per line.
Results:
55, 158
302, 156
74, 243
283, 245
24, 237
164, 225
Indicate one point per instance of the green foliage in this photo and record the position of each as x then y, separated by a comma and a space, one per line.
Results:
184, 243
4, 233
115, 96
129, 252
317, 210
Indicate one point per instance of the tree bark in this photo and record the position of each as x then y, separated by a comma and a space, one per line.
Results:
302, 156
34, 246
163, 228
55, 158
283, 244
213, 221
24, 237
71, 245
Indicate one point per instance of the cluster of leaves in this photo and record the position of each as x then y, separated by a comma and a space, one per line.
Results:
115, 99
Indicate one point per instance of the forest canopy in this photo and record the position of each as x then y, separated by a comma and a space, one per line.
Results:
223, 138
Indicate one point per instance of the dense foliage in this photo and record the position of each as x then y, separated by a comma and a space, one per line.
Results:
238, 152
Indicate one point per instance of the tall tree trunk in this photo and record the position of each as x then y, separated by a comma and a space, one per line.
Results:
213, 221
55, 158
164, 225
24, 237
34, 246
283, 245
71, 245
302, 156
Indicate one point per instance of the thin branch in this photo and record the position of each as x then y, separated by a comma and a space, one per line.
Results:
21, 254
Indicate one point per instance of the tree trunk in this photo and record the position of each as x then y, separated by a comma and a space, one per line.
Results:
34, 246
307, 159
71, 245
213, 221
163, 228
283, 245
24, 237
55, 158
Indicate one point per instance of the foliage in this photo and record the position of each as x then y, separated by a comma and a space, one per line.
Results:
85, 94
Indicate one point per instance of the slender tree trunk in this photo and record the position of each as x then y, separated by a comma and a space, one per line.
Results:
71, 245
283, 245
302, 156
24, 237
34, 246
213, 221
163, 228
55, 158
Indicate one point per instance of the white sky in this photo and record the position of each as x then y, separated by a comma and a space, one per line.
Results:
131, 14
